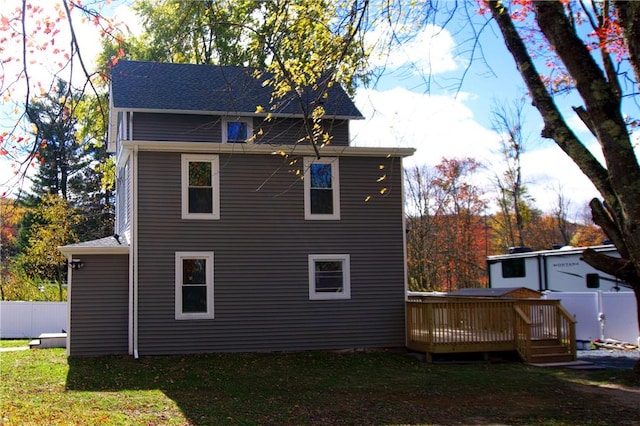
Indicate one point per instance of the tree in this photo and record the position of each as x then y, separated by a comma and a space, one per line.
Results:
51, 224
593, 69
10, 218
513, 199
202, 32
446, 239
60, 155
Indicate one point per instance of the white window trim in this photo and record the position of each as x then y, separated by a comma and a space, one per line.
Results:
215, 184
180, 256
247, 120
335, 187
346, 277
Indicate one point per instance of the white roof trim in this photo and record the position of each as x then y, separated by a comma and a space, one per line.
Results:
264, 149
78, 250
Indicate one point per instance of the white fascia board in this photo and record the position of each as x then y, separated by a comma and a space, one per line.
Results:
264, 149
69, 251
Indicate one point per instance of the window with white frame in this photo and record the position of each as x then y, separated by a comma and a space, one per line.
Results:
237, 130
321, 189
200, 187
329, 276
194, 285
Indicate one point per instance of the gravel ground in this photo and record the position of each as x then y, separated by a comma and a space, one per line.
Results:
610, 358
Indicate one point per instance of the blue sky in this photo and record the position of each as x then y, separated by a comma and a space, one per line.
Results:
451, 119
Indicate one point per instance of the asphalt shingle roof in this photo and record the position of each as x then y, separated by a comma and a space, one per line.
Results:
155, 86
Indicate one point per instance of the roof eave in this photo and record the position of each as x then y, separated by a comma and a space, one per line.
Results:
266, 149
230, 113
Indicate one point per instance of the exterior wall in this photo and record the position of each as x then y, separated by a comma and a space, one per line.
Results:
99, 306
261, 245
207, 128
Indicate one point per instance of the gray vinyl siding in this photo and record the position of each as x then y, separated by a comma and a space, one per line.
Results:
208, 128
261, 245
99, 306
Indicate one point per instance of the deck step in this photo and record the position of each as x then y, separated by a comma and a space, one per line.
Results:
549, 351
557, 348
550, 358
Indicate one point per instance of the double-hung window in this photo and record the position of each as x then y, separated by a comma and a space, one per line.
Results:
200, 187
238, 130
321, 189
194, 285
329, 276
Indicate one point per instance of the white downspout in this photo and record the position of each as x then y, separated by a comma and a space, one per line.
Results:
404, 249
134, 248
69, 276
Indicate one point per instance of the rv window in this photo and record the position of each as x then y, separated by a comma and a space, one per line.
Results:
513, 268
593, 281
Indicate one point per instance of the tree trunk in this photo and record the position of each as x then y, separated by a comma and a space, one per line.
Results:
619, 182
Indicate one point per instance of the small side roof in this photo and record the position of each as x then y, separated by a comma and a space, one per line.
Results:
184, 88
108, 245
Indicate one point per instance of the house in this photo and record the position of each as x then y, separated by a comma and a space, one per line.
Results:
231, 234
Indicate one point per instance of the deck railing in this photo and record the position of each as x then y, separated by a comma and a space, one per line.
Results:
437, 324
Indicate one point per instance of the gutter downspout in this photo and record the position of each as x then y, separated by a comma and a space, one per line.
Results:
69, 279
134, 249
404, 249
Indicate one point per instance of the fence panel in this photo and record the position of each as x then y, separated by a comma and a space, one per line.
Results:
27, 320
619, 309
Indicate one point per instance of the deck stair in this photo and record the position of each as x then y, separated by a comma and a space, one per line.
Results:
545, 351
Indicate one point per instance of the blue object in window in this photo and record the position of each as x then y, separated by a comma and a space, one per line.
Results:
236, 131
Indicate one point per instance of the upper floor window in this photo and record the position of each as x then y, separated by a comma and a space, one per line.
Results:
200, 187
239, 130
194, 285
321, 189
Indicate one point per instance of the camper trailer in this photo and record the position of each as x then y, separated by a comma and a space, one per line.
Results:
551, 270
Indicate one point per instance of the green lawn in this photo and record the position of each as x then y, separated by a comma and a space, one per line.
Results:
44, 387
13, 343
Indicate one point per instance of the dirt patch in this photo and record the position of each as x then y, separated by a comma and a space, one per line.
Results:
616, 394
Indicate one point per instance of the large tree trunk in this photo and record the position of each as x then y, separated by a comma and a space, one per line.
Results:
619, 181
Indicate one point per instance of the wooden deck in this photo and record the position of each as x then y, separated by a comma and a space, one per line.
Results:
539, 330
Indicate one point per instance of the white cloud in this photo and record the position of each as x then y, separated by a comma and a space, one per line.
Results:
429, 52
437, 126
548, 170
441, 126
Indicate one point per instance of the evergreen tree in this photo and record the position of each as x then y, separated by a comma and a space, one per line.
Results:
59, 153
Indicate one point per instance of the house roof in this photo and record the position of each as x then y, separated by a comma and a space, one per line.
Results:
228, 90
107, 245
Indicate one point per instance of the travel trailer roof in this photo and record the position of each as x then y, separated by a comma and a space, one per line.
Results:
567, 250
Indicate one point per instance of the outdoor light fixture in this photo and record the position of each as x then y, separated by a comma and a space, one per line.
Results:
76, 264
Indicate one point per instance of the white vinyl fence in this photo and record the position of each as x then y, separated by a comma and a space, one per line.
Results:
602, 315
27, 320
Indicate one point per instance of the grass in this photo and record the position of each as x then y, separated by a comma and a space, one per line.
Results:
13, 343
45, 387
